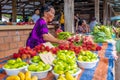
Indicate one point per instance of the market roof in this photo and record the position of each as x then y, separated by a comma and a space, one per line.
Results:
30, 5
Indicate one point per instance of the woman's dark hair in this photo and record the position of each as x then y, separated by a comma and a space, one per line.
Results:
45, 8
10, 20
93, 18
80, 21
36, 10
57, 26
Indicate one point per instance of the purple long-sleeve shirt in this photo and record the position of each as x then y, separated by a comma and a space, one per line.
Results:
36, 36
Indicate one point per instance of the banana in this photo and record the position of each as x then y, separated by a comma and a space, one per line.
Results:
27, 75
68, 76
34, 78
61, 78
21, 75
28, 79
13, 77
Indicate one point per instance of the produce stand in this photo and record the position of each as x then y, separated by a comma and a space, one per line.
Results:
102, 71
81, 49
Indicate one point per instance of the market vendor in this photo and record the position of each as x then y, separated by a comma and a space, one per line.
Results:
83, 27
40, 33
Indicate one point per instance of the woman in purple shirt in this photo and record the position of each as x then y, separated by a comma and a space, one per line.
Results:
40, 33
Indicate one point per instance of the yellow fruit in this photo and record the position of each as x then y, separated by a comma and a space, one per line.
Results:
21, 75
34, 78
68, 76
61, 78
13, 77
28, 79
27, 75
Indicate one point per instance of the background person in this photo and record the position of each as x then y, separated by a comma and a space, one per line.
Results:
83, 27
62, 21
36, 15
93, 23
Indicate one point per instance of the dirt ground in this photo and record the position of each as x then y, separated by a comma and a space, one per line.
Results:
117, 68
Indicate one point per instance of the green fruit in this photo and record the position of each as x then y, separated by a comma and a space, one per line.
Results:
18, 60
16, 66
73, 67
65, 61
32, 67
71, 71
41, 63
88, 56
55, 61
47, 66
80, 58
62, 57
39, 68
11, 62
74, 70
35, 61
21, 64
36, 57
84, 58
59, 72
7, 66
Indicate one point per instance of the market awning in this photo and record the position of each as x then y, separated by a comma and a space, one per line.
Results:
115, 18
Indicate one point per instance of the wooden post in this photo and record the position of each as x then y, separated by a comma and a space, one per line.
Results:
109, 14
42, 2
23, 11
110, 11
105, 12
69, 15
97, 9
0, 12
14, 10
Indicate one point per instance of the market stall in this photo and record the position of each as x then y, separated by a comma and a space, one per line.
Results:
85, 57
100, 62
103, 69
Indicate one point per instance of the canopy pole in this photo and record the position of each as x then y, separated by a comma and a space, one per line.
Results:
105, 12
0, 12
14, 10
97, 9
69, 15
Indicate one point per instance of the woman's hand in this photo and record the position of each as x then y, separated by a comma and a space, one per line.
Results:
63, 41
50, 38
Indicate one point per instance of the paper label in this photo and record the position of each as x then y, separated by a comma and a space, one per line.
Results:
47, 58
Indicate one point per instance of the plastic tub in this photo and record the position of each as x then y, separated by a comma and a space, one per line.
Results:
14, 71
41, 74
87, 65
75, 74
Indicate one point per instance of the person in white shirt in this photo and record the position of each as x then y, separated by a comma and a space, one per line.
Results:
36, 15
